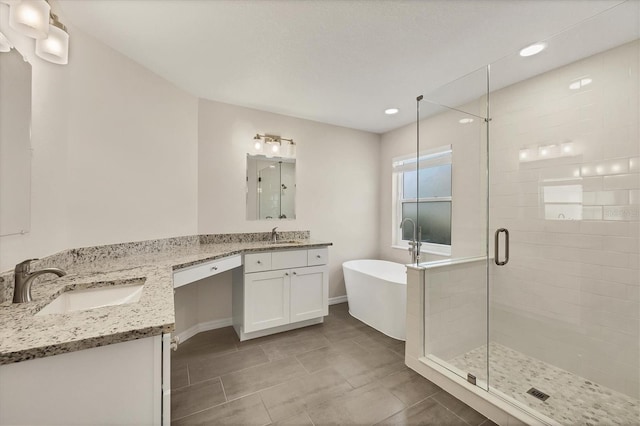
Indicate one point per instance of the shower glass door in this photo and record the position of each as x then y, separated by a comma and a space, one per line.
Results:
564, 180
452, 149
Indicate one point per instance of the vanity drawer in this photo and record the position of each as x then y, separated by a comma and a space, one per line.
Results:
288, 259
257, 262
204, 270
318, 256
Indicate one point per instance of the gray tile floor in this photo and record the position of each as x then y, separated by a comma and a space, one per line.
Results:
341, 372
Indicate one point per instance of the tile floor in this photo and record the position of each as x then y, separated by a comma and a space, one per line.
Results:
341, 372
573, 400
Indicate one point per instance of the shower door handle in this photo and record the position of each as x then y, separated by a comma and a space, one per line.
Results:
497, 247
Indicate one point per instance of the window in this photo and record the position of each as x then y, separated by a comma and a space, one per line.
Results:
426, 190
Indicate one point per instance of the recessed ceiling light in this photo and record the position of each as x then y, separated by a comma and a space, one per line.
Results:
465, 120
391, 111
534, 49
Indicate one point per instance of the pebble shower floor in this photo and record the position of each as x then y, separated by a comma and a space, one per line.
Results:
573, 400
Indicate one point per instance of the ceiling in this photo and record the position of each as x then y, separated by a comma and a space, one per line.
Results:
341, 62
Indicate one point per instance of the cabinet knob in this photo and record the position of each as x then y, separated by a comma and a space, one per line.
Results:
295, 273
259, 262
214, 268
286, 274
318, 256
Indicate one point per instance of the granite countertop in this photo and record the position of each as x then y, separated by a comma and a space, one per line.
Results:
24, 336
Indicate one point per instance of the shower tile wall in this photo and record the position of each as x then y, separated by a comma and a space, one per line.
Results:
565, 181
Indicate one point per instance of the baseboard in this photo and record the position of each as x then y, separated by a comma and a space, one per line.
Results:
273, 330
203, 326
338, 299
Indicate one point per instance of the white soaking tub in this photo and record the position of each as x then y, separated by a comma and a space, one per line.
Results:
377, 294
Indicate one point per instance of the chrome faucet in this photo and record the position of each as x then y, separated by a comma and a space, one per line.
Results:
274, 235
415, 243
24, 279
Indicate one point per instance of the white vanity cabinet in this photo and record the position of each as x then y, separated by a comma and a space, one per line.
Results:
119, 384
281, 292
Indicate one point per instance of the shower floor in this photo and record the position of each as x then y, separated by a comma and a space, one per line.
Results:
573, 400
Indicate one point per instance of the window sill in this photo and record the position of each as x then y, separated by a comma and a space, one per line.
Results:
429, 249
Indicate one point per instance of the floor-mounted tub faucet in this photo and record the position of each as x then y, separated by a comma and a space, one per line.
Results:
24, 279
415, 243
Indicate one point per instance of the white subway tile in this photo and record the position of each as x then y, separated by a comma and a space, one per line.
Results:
612, 198
604, 228
622, 275
628, 181
621, 244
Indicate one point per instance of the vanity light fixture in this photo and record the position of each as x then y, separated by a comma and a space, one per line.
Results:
391, 111
274, 144
33, 18
533, 49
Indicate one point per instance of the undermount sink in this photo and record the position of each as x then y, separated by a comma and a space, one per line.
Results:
91, 298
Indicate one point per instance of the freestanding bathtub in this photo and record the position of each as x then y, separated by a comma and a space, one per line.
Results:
377, 294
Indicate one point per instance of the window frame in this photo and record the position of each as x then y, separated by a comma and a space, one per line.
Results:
443, 152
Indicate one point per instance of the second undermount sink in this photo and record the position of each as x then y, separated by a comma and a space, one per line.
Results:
91, 298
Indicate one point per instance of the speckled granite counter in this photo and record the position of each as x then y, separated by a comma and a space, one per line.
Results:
24, 336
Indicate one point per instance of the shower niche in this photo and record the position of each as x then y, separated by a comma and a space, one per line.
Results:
271, 188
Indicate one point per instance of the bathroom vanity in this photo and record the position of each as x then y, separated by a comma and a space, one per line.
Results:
275, 290
281, 290
111, 364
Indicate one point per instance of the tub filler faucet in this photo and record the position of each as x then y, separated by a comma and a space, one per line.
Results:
415, 243
24, 279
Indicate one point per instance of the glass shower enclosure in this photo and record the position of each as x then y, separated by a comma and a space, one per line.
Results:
539, 302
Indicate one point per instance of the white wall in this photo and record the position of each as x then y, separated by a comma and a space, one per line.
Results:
114, 153
132, 151
336, 180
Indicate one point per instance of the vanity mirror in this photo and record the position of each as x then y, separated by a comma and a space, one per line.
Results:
15, 143
271, 187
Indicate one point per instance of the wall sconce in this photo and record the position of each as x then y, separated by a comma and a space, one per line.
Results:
33, 18
272, 146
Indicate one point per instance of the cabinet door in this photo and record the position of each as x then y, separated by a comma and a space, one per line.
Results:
309, 293
266, 302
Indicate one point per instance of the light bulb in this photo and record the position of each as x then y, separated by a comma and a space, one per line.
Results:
54, 48
275, 148
31, 18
